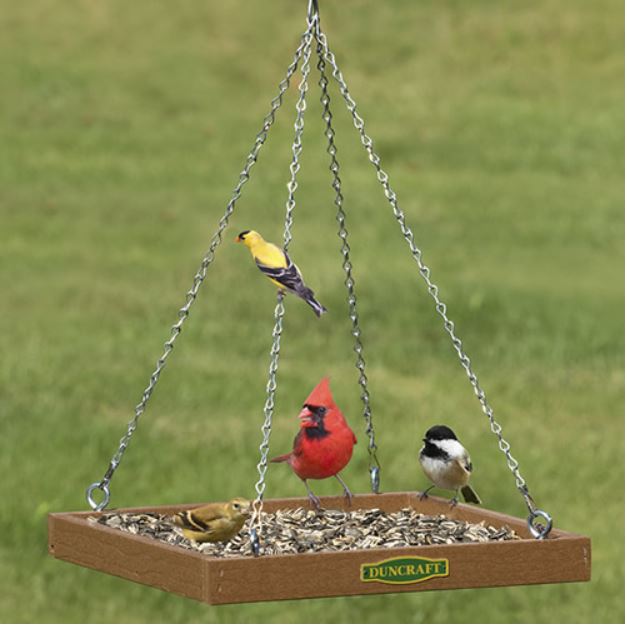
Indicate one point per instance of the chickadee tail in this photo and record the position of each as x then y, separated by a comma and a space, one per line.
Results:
280, 458
470, 496
308, 296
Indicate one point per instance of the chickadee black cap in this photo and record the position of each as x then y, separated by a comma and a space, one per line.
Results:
440, 432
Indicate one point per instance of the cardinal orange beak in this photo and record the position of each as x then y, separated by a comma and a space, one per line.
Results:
305, 416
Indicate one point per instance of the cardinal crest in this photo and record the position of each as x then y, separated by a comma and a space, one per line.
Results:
321, 395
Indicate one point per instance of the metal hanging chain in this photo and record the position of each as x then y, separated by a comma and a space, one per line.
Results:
313, 12
336, 184
266, 429
538, 530
103, 484
255, 526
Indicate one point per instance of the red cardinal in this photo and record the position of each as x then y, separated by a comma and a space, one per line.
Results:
324, 444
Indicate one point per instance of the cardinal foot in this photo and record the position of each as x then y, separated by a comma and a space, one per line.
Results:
315, 501
349, 497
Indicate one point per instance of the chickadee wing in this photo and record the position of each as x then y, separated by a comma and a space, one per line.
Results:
466, 463
461, 465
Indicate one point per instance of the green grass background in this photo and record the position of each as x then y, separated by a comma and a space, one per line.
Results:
123, 128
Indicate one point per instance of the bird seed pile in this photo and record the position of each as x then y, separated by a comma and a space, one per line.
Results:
292, 531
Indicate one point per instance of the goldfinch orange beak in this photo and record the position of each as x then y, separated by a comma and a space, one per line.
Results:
238, 239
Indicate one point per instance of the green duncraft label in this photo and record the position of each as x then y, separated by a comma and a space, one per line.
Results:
403, 570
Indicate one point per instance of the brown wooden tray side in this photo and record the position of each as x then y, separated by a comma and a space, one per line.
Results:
139, 559
564, 557
338, 574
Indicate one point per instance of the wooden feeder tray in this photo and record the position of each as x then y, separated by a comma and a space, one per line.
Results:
563, 557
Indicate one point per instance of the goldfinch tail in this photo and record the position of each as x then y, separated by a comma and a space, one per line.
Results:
180, 520
470, 496
308, 296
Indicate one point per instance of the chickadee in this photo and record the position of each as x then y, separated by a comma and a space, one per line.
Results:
447, 464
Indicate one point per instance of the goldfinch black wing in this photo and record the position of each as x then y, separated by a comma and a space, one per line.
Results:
289, 276
199, 520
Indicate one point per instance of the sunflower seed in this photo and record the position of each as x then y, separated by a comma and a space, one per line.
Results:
300, 530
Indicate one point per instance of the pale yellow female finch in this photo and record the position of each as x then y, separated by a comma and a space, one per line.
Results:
216, 522
279, 268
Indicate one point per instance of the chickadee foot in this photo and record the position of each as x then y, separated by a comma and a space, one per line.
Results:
422, 495
453, 502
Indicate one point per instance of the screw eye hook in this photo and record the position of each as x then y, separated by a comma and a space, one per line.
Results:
538, 530
98, 505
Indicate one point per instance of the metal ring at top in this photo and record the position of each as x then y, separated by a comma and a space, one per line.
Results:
95, 505
313, 10
539, 531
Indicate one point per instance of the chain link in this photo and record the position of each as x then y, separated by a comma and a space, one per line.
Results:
103, 484
266, 429
255, 526
425, 273
336, 184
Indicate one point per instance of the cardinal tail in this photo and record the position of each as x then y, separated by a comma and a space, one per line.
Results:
470, 496
280, 458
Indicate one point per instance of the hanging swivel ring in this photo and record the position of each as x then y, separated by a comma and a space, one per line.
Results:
98, 506
539, 530
375, 478
254, 541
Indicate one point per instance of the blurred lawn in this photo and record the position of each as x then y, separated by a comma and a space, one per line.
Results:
124, 127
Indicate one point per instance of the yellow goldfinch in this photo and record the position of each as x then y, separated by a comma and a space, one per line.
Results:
216, 522
279, 268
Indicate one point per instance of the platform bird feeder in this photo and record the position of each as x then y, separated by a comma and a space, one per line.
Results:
540, 554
